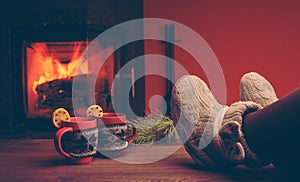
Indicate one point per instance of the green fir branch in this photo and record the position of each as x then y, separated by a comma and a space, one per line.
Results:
153, 129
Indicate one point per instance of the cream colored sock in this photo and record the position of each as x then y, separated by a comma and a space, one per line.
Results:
212, 132
254, 87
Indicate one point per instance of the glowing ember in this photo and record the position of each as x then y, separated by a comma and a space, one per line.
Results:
57, 63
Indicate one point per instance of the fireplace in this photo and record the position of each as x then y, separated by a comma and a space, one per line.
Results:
40, 50
49, 69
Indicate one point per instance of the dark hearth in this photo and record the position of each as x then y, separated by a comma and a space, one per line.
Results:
55, 23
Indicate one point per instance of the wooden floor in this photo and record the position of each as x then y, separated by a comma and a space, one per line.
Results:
37, 160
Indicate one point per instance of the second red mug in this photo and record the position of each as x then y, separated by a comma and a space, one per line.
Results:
115, 132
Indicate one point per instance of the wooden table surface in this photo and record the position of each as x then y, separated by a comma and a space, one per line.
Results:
37, 160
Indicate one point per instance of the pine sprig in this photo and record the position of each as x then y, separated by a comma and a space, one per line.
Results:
153, 129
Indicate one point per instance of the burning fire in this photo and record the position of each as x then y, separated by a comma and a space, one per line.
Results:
53, 67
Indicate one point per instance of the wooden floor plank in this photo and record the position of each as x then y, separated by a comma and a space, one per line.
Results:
37, 160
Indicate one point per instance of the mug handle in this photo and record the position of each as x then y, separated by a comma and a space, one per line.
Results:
131, 139
58, 136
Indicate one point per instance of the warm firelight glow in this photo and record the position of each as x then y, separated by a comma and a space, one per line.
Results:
52, 64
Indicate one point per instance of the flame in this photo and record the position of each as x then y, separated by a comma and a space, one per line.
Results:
53, 68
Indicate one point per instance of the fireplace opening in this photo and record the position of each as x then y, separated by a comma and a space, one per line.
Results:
49, 69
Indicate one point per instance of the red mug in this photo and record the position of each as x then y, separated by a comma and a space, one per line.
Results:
115, 132
77, 139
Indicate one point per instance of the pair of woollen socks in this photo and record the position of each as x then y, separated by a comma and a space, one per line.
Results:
212, 133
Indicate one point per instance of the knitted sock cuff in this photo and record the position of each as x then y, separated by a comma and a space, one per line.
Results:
211, 157
236, 148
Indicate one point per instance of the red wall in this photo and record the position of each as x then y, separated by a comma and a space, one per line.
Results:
246, 35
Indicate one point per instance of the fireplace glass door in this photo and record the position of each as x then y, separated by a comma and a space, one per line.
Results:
49, 69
